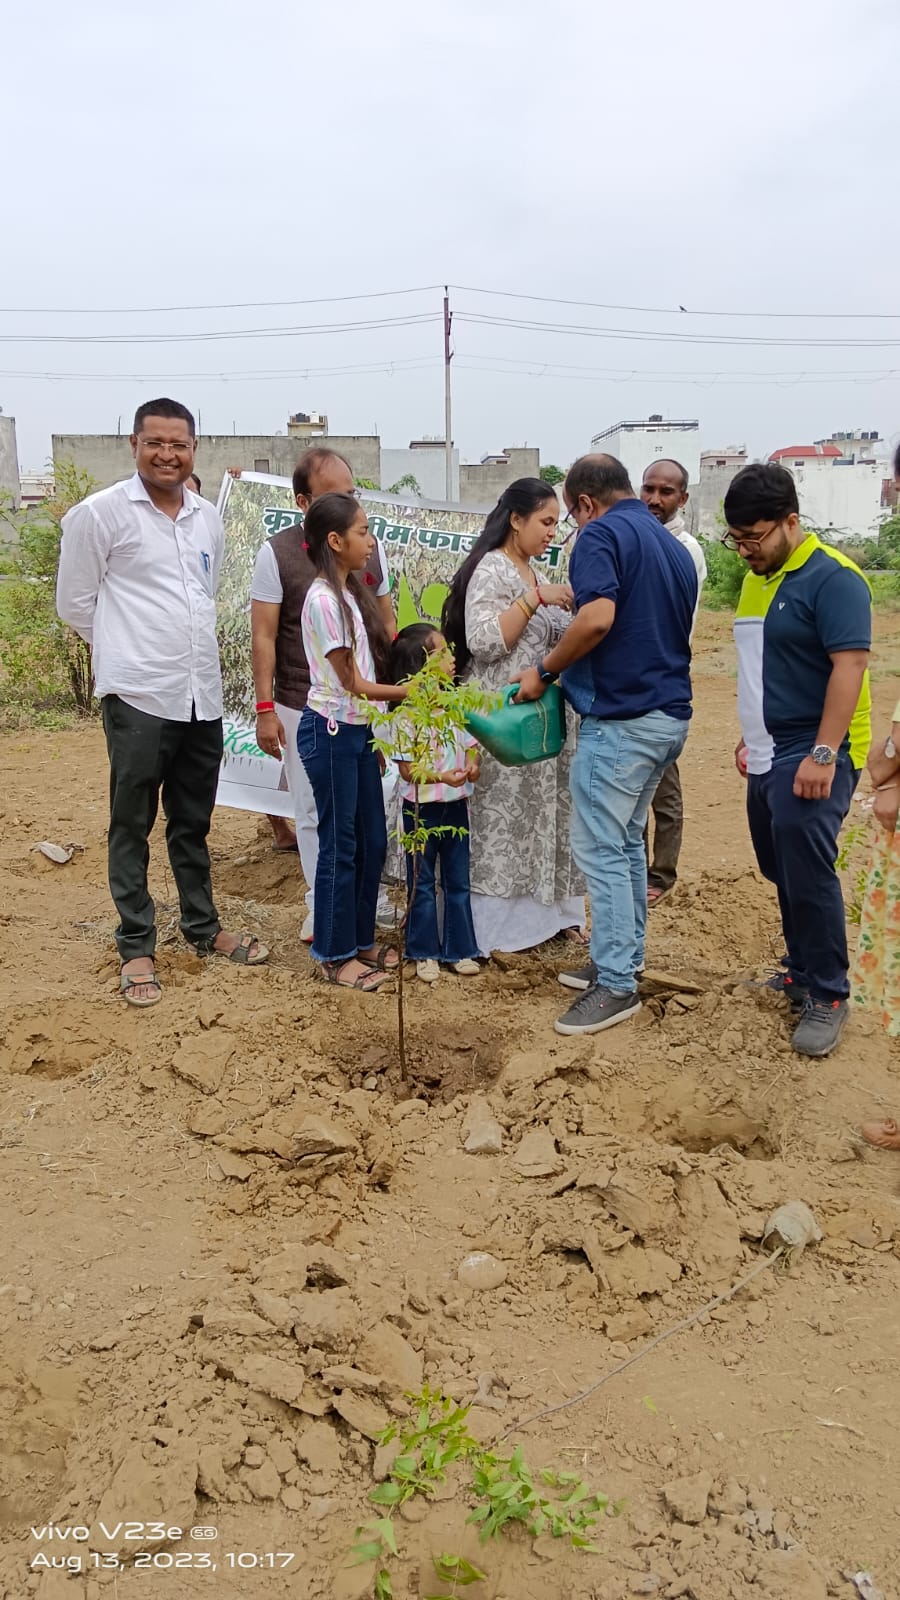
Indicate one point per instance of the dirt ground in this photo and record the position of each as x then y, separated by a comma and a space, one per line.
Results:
229, 1236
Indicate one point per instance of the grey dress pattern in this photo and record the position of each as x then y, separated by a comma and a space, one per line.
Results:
519, 816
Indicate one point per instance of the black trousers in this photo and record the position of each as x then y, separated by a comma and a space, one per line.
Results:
795, 842
668, 830
148, 754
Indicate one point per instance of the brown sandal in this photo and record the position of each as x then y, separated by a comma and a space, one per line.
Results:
368, 981
379, 961
129, 981
240, 955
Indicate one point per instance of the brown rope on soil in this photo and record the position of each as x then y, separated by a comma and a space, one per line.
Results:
679, 1327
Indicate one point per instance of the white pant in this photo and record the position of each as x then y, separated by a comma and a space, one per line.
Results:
305, 815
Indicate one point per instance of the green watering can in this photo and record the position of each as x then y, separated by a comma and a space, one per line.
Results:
517, 735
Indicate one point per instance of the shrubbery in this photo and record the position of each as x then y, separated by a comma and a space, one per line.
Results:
43, 664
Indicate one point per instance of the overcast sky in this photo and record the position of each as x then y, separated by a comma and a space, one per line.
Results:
650, 155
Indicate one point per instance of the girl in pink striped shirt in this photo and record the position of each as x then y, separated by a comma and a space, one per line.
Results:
347, 649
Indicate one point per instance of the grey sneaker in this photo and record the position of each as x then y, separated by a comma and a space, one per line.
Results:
782, 983
820, 1027
598, 1008
578, 977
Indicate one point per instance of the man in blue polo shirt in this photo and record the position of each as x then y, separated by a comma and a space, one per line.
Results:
803, 629
625, 664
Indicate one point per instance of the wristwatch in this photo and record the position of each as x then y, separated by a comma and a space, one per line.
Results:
823, 755
890, 749
544, 675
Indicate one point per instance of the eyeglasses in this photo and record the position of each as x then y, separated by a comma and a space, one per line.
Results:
179, 448
751, 543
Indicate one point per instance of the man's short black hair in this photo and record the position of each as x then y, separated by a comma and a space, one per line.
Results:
601, 478
762, 492
196, 480
897, 462
306, 466
669, 461
164, 408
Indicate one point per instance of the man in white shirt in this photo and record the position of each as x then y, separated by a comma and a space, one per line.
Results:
138, 572
664, 491
281, 578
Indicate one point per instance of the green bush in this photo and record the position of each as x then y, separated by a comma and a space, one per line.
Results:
885, 588
725, 572
43, 664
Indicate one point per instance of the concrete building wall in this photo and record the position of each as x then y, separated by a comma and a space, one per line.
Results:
482, 485
108, 458
842, 500
9, 459
717, 469
638, 444
428, 467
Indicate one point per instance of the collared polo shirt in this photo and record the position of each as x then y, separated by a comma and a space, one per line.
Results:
786, 627
644, 662
141, 589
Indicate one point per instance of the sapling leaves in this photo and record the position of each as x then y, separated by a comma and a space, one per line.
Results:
504, 1488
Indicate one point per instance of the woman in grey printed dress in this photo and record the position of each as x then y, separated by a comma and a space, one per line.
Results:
500, 618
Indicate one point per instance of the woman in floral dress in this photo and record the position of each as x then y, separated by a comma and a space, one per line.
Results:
499, 619
876, 974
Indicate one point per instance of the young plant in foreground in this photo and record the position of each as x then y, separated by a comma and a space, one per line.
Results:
503, 1487
433, 714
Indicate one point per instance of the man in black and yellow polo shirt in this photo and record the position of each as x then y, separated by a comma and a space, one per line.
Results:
803, 634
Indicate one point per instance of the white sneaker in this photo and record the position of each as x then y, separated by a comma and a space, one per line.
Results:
467, 968
306, 932
428, 971
385, 913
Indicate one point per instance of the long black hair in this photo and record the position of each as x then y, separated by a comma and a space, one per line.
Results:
409, 651
336, 513
521, 499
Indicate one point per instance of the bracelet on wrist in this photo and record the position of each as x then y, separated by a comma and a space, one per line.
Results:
524, 607
264, 705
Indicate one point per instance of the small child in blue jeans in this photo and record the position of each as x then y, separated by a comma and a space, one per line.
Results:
443, 803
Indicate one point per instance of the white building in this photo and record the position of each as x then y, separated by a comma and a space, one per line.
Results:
638, 444
37, 487
839, 495
426, 461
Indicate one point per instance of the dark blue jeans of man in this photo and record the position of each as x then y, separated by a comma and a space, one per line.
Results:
457, 942
796, 847
343, 770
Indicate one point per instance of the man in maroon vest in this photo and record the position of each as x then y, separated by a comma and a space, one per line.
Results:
281, 577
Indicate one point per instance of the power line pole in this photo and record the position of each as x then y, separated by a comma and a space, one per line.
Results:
448, 430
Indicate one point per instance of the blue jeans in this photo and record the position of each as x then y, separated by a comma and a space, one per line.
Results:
343, 770
615, 772
423, 942
796, 846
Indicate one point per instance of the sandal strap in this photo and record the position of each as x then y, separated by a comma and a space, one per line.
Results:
332, 970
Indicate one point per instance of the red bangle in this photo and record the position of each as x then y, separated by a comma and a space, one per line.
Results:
264, 705
540, 598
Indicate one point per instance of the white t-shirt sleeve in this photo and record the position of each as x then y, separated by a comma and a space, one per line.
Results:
385, 585
266, 583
